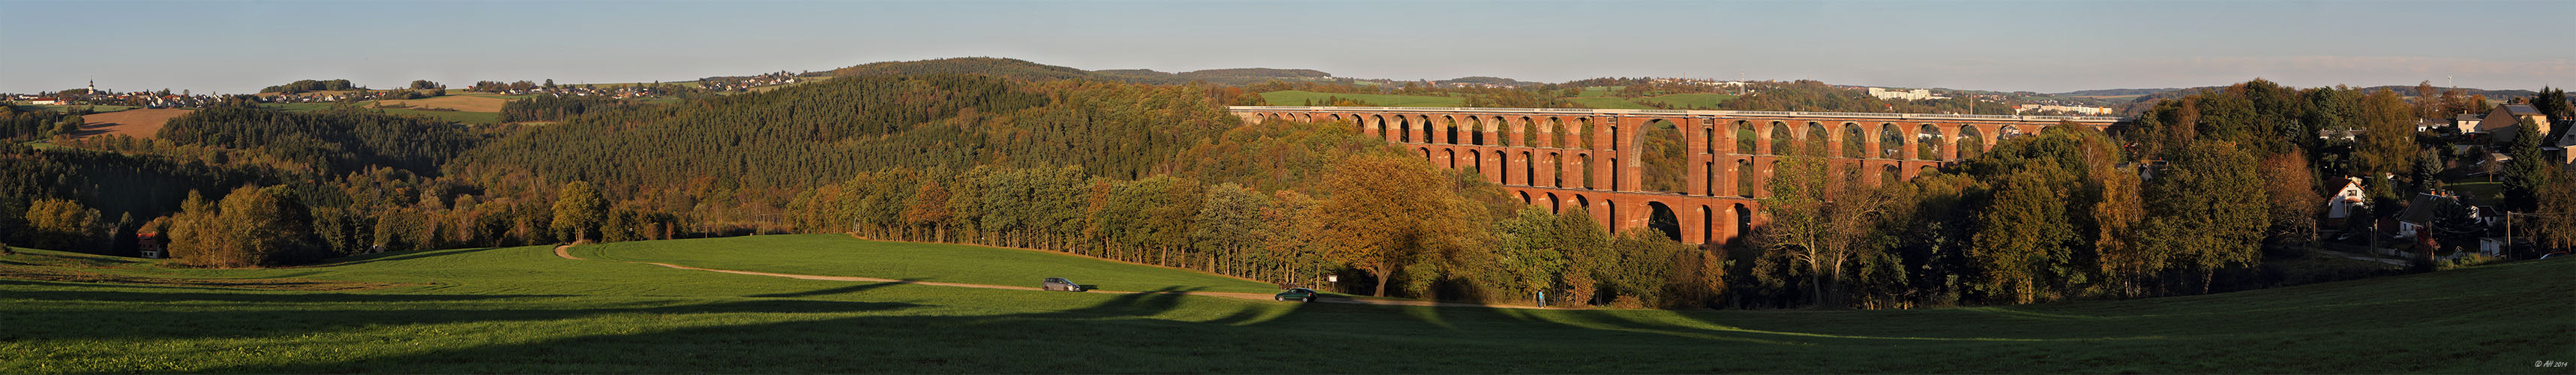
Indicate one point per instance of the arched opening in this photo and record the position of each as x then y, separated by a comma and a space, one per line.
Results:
1815, 140
1889, 176
1426, 153
1783, 141
1745, 136
1743, 220
1854, 145
1615, 173
1971, 142
1525, 198
1891, 142
1551, 203
1707, 136
1554, 133
1404, 125
2009, 132
1666, 165
1448, 131
1451, 157
1583, 202
1611, 208
1615, 141
1930, 141
1555, 169
1476, 131
1745, 179
1709, 178
1663, 219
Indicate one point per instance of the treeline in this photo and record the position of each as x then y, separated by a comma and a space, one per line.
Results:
1535, 96
1388, 223
330, 142
1813, 96
20, 124
94, 201
304, 85
556, 108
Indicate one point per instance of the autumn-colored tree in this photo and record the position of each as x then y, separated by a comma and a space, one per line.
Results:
1383, 211
60, 224
2292, 202
250, 227
929, 209
2387, 146
579, 209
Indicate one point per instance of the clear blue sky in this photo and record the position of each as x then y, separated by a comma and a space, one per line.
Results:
240, 46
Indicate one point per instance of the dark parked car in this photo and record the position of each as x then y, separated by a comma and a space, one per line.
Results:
1296, 294
1059, 283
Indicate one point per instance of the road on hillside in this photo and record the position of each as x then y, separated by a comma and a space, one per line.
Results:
565, 251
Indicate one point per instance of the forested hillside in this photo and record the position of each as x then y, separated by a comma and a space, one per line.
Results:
1020, 69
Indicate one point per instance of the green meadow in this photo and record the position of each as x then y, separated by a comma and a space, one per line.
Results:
524, 310
1297, 97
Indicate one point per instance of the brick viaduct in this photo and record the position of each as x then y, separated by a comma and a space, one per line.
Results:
1544, 155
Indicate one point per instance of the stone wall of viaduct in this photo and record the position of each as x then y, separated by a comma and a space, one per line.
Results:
1543, 155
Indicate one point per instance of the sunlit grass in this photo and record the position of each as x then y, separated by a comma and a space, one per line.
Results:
523, 310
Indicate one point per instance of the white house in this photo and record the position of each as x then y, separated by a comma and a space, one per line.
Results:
2346, 202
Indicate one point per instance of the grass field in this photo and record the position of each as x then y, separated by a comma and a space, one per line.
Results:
523, 310
481, 118
840, 255
468, 103
1297, 97
484, 118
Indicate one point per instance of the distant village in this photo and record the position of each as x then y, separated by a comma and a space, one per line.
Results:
165, 98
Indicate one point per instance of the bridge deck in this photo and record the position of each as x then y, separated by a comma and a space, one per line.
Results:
1668, 112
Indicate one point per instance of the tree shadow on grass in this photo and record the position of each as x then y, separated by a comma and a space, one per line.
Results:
861, 287
397, 255
200, 315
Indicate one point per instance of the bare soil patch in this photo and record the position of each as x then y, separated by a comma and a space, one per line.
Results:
455, 102
138, 123
49, 274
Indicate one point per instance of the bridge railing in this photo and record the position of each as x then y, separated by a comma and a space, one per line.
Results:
1920, 116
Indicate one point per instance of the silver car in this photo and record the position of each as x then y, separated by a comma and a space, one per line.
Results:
1059, 283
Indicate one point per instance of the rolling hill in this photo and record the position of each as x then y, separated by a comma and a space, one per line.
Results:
524, 310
